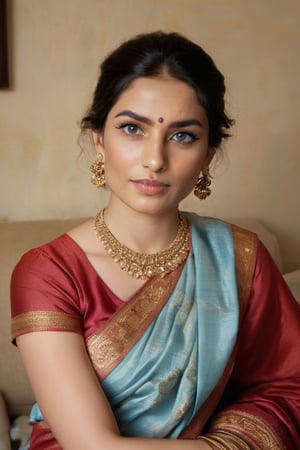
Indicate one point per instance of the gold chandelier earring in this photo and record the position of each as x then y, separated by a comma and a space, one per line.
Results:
98, 172
201, 189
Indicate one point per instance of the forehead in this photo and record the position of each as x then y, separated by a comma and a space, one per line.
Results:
160, 96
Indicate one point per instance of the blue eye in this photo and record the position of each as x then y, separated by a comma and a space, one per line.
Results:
183, 137
131, 129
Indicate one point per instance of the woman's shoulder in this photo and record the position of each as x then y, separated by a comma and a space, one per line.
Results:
63, 252
84, 237
207, 223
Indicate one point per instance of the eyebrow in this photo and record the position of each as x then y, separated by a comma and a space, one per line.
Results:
143, 119
134, 116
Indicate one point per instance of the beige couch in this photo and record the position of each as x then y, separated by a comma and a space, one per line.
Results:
15, 239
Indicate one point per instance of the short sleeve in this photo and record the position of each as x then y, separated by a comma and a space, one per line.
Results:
43, 295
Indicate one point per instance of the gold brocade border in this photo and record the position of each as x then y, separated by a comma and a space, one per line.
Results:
112, 341
245, 249
250, 429
43, 321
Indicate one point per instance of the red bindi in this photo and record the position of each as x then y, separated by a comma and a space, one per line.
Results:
160, 119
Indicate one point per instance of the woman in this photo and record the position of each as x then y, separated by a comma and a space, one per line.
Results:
157, 328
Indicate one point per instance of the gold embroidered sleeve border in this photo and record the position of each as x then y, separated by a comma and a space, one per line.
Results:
44, 321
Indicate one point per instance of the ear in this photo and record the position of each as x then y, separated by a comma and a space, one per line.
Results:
98, 142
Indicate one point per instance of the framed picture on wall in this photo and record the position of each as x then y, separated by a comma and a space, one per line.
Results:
4, 81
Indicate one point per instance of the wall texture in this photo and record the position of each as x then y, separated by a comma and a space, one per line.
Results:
55, 51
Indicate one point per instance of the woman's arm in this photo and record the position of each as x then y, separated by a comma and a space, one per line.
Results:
71, 399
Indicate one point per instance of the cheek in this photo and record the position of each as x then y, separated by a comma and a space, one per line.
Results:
116, 155
112, 160
190, 167
117, 147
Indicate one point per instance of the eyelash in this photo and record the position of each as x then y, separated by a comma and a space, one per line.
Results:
191, 136
128, 125
123, 127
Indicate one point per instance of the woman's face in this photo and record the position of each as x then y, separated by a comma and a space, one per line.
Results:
154, 144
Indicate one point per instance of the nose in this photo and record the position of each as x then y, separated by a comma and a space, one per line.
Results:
154, 156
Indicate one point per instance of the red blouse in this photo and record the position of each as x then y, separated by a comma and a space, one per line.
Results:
58, 283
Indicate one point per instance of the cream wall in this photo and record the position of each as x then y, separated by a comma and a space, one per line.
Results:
56, 47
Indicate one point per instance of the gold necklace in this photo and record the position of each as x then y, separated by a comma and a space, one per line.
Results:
142, 265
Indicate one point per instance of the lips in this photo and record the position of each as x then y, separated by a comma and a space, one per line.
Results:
150, 187
147, 182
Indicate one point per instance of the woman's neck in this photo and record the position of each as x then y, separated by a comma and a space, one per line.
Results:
142, 232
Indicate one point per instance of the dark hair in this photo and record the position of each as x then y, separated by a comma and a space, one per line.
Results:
149, 55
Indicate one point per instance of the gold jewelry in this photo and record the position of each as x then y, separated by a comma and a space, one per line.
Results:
201, 189
98, 173
142, 265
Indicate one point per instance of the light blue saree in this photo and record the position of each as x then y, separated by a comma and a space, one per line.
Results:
161, 382
163, 354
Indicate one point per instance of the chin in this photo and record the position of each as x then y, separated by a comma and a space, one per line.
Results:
155, 209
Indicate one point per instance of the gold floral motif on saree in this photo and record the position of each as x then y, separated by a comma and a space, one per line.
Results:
111, 342
225, 441
43, 321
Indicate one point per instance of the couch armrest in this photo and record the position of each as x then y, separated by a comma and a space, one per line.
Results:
4, 426
293, 281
